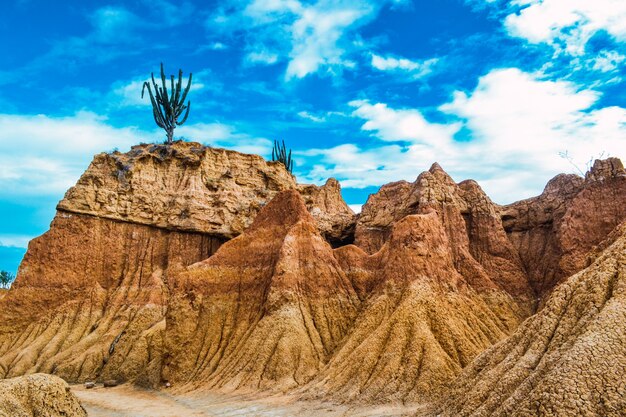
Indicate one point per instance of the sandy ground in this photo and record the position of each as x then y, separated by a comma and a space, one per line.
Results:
128, 401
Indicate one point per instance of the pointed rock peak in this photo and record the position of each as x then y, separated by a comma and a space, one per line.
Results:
435, 167
438, 173
471, 186
285, 209
565, 184
604, 169
332, 183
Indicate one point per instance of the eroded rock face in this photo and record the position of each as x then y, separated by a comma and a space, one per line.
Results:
476, 239
90, 298
568, 359
554, 231
266, 311
38, 395
334, 218
91, 294
194, 188
422, 322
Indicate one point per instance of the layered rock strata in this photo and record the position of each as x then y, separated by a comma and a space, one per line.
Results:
422, 321
266, 311
476, 239
568, 359
90, 298
554, 231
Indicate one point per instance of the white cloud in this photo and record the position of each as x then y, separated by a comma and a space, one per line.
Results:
607, 61
262, 57
44, 156
403, 125
356, 208
41, 155
567, 24
516, 116
518, 125
415, 68
316, 34
312, 117
312, 36
15, 241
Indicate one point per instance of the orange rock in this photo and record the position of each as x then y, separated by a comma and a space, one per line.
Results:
554, 232
568, 359
266, 311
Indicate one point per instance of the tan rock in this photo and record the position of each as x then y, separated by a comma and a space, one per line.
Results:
568, 359
90, 298
38, 395
477, 240
265, 312
421, 323
554, 232
191, 187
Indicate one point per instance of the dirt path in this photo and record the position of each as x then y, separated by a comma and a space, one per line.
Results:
127, 401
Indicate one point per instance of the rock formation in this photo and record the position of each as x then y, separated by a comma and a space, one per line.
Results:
38, 395
266, 311
422, 322
554, 231
209, 269
568, 359
194, 188
90, 297
477, 241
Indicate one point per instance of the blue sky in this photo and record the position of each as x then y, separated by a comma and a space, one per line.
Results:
365, 91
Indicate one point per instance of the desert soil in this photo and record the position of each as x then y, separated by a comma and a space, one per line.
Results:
128, 401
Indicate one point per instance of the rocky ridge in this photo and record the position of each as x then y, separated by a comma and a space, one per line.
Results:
568, 359
214, 270
91, 294
554, 231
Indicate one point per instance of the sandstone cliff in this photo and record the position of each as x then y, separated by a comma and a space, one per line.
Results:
476, 239
568, 359
38, 395
194, 188
90, 298
215, 270
266, 311
422, 322
554, 231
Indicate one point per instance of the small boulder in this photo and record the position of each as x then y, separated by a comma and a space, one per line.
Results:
90, 384
110, 383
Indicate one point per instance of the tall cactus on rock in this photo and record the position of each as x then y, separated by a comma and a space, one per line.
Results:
279, 153
167, 108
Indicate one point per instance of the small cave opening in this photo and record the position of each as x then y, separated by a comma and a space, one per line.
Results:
343, 237
336, 242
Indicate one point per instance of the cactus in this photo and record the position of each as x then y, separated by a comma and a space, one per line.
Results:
168, 109
279, 153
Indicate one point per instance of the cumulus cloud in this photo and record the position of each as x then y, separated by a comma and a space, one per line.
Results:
319, 35
416, 69
44, 156
607, 61
41, 155
403, 125
517, 122
567, 24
